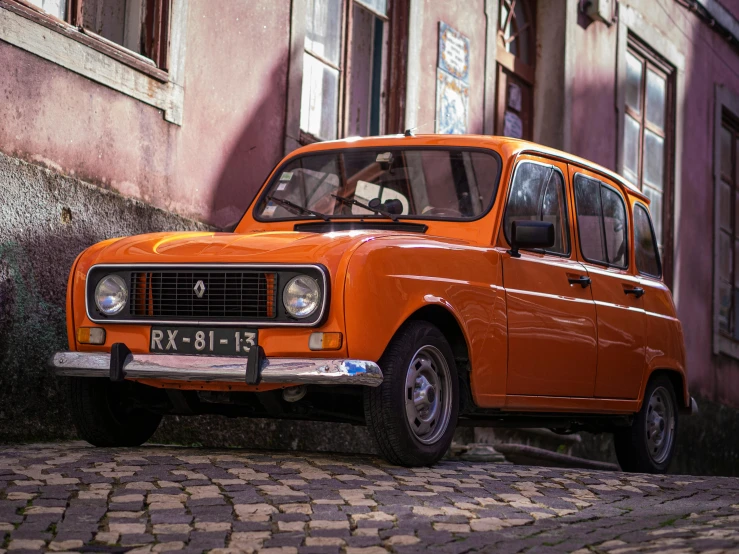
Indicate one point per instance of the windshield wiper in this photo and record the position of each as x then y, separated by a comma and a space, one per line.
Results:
375, 209
296, 208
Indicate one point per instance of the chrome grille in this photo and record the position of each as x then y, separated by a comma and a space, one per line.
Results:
229, 295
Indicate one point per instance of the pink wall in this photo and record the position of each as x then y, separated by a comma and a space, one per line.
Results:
708, 61
209, 168
468, 18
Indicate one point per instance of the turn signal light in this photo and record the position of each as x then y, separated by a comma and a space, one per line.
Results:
91, 335
325, 341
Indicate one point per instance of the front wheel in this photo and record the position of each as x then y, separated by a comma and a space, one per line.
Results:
106, 414
649, 444
413, 413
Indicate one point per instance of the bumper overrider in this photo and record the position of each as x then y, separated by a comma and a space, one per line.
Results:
213, 369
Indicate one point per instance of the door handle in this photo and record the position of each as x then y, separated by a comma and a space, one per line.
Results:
582, 281
638, 292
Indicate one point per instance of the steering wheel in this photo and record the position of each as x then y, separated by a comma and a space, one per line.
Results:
430, 210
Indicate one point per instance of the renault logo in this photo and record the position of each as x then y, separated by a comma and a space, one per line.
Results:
199, 289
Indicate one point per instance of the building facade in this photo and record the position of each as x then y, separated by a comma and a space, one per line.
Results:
135, 115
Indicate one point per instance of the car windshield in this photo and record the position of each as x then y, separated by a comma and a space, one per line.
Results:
396, 183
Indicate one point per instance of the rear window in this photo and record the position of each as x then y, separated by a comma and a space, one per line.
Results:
645, 245
408, 183
601, 222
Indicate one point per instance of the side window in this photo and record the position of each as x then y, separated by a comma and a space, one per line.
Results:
601, 221
614, 223
647, 255
538, 194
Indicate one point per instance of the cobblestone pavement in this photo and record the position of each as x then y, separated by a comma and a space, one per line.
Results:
71, 497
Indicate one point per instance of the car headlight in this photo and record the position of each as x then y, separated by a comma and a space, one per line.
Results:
111, 294
301, 296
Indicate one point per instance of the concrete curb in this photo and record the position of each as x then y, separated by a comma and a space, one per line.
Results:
530, 455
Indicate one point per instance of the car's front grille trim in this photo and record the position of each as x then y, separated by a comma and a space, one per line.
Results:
318, 271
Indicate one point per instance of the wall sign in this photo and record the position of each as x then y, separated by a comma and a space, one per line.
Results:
452, 82
454, 52
452, 104
512, 125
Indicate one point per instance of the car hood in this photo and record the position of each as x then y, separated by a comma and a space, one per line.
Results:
261, 247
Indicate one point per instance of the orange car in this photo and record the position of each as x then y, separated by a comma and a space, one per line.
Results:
409, 283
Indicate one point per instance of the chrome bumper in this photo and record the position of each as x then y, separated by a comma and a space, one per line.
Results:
211, 369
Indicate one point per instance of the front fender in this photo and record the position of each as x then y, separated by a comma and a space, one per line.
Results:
389, 279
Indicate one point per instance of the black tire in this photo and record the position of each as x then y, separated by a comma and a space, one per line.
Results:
636, 452
385, 406
102, 413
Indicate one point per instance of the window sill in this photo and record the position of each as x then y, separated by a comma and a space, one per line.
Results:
728, 347
98, 59
123, 55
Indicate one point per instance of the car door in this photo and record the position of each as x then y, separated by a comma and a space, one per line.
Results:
604, 239
663, 329
552, 343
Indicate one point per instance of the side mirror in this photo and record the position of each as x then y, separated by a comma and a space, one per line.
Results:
530, 234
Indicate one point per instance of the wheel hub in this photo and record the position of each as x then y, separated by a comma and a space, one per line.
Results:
428, 400
660, 424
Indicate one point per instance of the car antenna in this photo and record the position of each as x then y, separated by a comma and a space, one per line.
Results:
410, 132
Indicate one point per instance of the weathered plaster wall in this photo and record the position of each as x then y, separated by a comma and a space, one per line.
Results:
207, 169
592, 92
468, 18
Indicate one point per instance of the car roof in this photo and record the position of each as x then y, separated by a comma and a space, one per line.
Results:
510, 147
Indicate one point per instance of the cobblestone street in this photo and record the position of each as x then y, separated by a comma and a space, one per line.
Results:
71, 497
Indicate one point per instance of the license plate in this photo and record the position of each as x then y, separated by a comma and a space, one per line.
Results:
216, 341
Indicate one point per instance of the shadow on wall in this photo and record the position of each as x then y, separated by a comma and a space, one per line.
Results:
46, 220
256, 151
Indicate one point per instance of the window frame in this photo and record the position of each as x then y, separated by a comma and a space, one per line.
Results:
565, 202
509, 65
71, 26
726, 107
344, 69
659, 55
641, 206
57, 42
627, 252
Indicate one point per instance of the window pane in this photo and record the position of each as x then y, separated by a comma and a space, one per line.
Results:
380, 6
633, 81
57, 8
654, 161
107, 18
537, 194
631, 149
647, 255
656, 92
725, 260
726, 147
553, 211
655, 208
724, 293
587, 201
323, 29
319, 101
725, 206
428, 184
614, 220
365, 73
